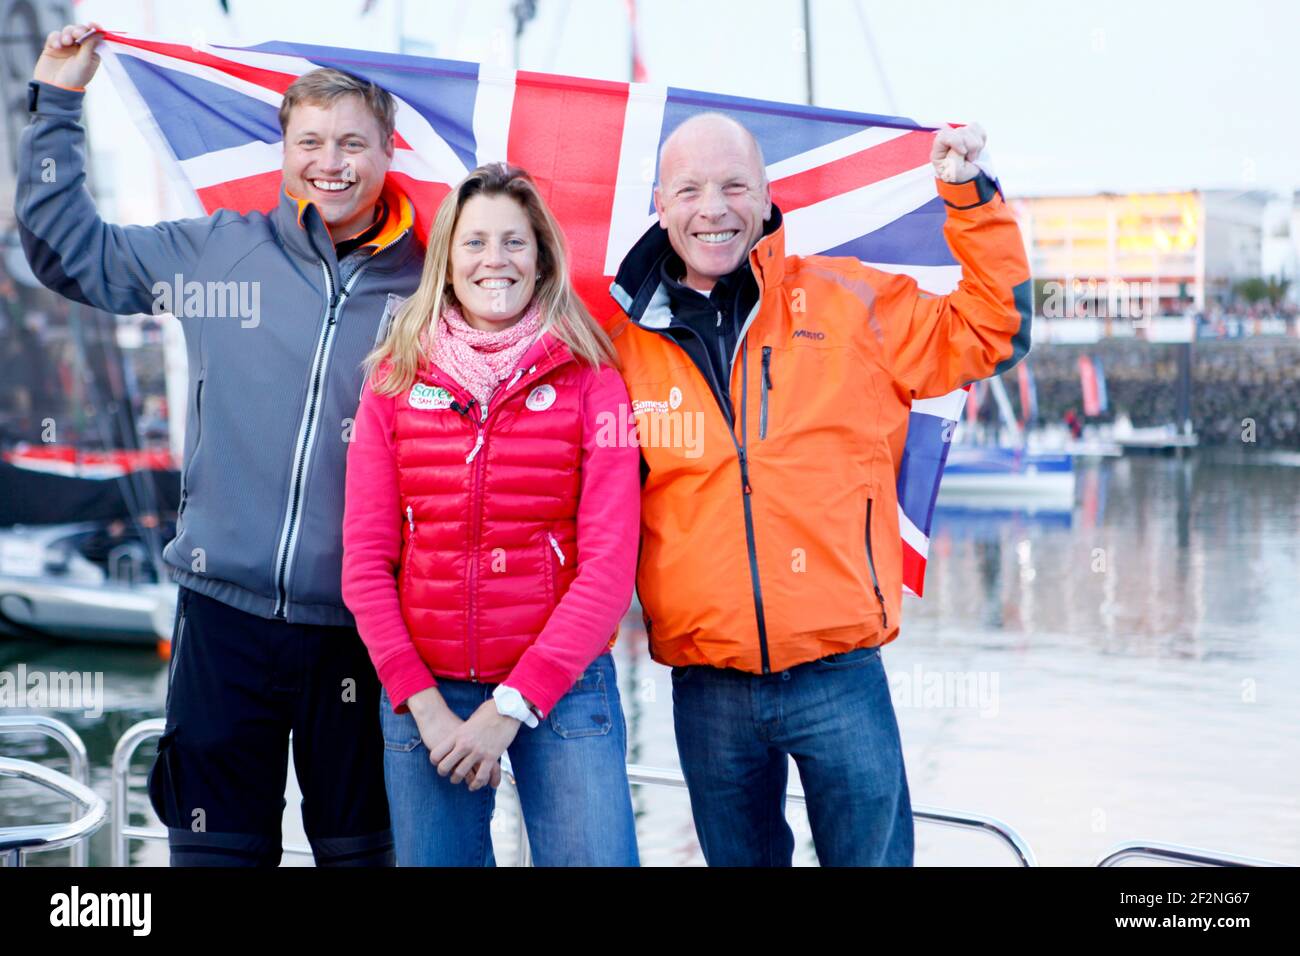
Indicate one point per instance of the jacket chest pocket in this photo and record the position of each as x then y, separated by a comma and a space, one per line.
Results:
765, 391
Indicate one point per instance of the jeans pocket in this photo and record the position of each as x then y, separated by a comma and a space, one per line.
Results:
680, 673
584, 710
401, 732
854, 658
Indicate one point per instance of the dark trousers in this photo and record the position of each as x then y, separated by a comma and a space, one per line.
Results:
238, 685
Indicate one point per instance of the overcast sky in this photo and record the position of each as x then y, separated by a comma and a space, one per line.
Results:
1121, 96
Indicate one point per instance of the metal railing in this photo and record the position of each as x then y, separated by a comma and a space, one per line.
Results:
674, 780
1174, 853
15, 842
123, 832
78, 765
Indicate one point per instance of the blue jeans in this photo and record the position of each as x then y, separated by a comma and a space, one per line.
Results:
571, 771
736, 732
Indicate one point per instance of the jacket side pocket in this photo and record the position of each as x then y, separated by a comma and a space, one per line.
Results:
871, 566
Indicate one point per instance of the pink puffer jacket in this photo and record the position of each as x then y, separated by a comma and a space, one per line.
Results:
501, 548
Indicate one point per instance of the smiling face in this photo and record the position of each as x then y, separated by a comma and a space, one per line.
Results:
493, 262
336, 157
712, 197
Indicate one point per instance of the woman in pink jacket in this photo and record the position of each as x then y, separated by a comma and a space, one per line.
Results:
490, 541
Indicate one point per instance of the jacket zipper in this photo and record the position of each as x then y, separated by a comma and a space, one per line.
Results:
767, 387
481, 426
410, 547
747, 493
871, 565
307, 428
746, 488
476, 502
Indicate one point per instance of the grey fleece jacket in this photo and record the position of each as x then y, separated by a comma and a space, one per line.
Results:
275, 332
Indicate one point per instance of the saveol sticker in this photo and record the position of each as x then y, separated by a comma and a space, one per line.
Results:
429, 397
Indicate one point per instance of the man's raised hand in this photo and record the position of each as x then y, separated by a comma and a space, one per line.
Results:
66, 61
954, 153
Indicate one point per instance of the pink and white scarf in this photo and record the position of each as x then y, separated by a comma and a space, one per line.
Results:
480, 360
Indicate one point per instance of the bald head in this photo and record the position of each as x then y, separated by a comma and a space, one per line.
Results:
713, 196
705, 128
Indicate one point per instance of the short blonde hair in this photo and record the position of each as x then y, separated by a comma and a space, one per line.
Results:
326, 86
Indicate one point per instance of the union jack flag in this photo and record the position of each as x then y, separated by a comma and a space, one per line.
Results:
852, 184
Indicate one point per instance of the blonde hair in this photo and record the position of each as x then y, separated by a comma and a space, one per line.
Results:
326, 86
393, 364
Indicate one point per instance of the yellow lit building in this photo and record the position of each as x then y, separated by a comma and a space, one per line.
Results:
1177, 249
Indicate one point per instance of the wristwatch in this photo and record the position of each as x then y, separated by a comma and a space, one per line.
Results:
511, 703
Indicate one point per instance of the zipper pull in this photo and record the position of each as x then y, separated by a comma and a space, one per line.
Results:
519, 373
478, 443
556, 545
410, 518
767, 367
483, 417
719, 318
744, 473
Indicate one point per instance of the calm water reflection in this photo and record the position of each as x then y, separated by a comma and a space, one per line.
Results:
1125, 672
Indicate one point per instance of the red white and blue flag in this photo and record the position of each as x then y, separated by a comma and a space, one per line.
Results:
851, 184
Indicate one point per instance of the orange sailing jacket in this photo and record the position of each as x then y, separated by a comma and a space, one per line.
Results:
769, 529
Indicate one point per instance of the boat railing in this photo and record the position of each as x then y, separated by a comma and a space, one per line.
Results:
78, 766
17, 842
673, 780
1174, 853
124, 832
14, 841
125, 563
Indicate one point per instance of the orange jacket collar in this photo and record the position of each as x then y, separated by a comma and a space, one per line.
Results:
400, 216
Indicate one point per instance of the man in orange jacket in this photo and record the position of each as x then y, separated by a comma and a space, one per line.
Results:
772, 395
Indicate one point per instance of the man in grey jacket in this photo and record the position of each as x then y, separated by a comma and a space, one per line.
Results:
278, 311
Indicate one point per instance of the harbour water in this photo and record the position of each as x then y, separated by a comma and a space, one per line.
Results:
1127, 672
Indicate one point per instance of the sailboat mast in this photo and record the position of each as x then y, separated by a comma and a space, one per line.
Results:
808, 52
